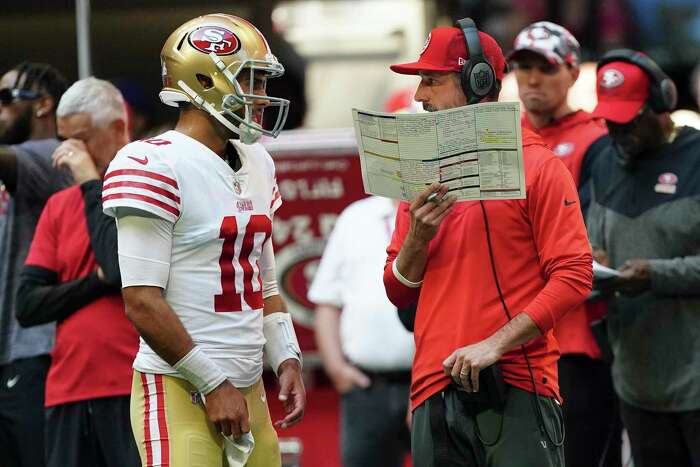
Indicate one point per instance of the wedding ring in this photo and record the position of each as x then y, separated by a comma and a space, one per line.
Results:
432, 198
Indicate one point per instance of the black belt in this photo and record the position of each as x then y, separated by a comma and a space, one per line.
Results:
397, 376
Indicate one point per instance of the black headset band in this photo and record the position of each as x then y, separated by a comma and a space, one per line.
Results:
471, 37
635, 58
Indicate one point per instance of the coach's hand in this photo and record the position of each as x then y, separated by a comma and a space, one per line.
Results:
227, 410
292, 393
465, 363
428, 212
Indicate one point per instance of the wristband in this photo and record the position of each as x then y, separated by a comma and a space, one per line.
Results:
281, 340
199, 370
403, 280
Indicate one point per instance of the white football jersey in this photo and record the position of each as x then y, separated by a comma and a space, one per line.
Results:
221, 220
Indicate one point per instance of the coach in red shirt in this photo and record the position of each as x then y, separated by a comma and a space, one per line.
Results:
71, 276
546, 60
491, 279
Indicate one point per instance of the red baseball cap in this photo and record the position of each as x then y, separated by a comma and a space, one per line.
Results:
445, 49
623, 89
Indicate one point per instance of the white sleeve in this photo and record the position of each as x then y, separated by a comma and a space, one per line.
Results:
138, 177
327, 285
267, 270
145, 246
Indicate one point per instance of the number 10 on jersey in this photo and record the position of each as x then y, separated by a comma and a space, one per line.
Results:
240, 272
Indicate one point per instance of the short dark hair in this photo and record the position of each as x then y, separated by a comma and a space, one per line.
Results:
41, 77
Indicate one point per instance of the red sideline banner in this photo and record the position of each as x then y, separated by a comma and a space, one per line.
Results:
318, 175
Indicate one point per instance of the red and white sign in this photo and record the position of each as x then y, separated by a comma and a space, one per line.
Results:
318, 175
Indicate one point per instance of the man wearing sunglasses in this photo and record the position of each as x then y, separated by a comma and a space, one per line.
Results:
644, 220
29, 94
545, 60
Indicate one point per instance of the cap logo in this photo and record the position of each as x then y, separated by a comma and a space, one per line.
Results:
612, 78
427, 42
461, 61
215, 39
538, 33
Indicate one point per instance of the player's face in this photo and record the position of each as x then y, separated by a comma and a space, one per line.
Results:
542, 86
15, 116
257, 87
440, 91
101, 143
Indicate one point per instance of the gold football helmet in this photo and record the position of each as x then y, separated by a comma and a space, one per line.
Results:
220, 63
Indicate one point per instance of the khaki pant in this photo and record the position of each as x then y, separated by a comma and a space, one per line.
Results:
172, 429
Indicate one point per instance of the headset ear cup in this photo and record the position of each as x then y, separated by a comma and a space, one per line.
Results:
669, 94
656, 98
466, 85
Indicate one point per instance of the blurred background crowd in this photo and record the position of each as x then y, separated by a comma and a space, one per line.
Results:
336, 55
326, 44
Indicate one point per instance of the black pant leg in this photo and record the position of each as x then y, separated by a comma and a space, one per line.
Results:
22, 384
68, 436
110, 421
591, 413
656, 438
370, 436
690, 425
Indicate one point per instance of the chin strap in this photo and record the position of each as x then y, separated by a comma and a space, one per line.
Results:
247, 134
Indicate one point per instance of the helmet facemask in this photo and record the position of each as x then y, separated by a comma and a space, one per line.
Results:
238, 107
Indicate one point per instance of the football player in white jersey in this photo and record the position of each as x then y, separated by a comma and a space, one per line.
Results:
194, 209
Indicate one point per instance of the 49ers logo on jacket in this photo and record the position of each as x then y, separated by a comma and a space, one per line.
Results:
210, 39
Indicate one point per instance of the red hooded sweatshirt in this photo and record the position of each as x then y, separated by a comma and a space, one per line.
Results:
569, 138
543, 260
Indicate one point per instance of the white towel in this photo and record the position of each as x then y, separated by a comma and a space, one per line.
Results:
238, 451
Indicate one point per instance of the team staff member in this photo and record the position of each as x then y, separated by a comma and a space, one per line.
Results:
365, 350
194, 211
29, 94
643, 220
72, 277
446, 256
546, 60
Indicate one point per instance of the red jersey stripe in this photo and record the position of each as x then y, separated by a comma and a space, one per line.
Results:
146, 421
142, 173
145, 186
146, 199
162, 424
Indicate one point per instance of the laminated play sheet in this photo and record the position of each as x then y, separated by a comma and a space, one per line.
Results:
475, 150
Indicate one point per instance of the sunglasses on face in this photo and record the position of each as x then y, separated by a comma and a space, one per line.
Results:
9, 95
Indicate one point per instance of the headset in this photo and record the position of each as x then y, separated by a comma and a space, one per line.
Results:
477, 77
663, 95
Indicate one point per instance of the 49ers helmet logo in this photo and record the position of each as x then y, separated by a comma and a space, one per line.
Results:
215, 39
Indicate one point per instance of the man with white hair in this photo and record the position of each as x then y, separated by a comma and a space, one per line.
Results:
71, 276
